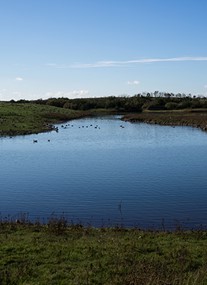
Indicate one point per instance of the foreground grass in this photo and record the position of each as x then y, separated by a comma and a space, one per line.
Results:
60, 254
28, 118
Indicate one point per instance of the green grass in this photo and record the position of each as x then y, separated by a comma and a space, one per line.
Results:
28, 118
57, 253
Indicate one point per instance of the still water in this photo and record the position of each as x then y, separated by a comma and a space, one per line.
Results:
102, 171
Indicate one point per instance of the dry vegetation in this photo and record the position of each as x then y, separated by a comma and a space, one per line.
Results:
194, 118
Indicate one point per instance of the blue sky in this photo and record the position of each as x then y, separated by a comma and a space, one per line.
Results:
92, 48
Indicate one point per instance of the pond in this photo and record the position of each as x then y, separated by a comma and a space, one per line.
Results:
106, 172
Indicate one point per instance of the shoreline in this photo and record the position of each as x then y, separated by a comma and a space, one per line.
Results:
26, 119
190, 118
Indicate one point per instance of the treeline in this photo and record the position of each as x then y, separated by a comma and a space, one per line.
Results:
136, 103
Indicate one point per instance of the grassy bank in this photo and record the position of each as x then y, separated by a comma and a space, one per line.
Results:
194, 118
28, 118
60, 254
31, 118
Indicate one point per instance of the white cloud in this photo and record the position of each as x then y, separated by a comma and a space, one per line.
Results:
69, 94
134, 82
79, 93
172, 59
100, 64
19, 79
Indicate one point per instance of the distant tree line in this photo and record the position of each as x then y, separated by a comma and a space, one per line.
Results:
136, 103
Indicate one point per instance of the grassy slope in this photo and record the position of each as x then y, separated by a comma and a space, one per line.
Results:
30, 118
34, 254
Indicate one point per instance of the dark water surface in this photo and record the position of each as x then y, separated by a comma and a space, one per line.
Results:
99, 173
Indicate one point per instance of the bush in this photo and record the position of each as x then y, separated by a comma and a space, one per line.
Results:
171, 106
184, 105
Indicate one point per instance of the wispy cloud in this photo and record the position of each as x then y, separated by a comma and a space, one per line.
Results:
133, 82
101, 64
84, 65
172, 59
19, 79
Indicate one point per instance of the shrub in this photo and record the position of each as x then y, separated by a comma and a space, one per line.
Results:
171, 106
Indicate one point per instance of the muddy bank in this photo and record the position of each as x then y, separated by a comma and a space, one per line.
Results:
193, 118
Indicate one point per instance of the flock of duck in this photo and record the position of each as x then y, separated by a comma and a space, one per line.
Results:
66, 126
87, 126
36, 141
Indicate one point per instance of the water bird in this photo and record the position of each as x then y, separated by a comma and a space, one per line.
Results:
35, 141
